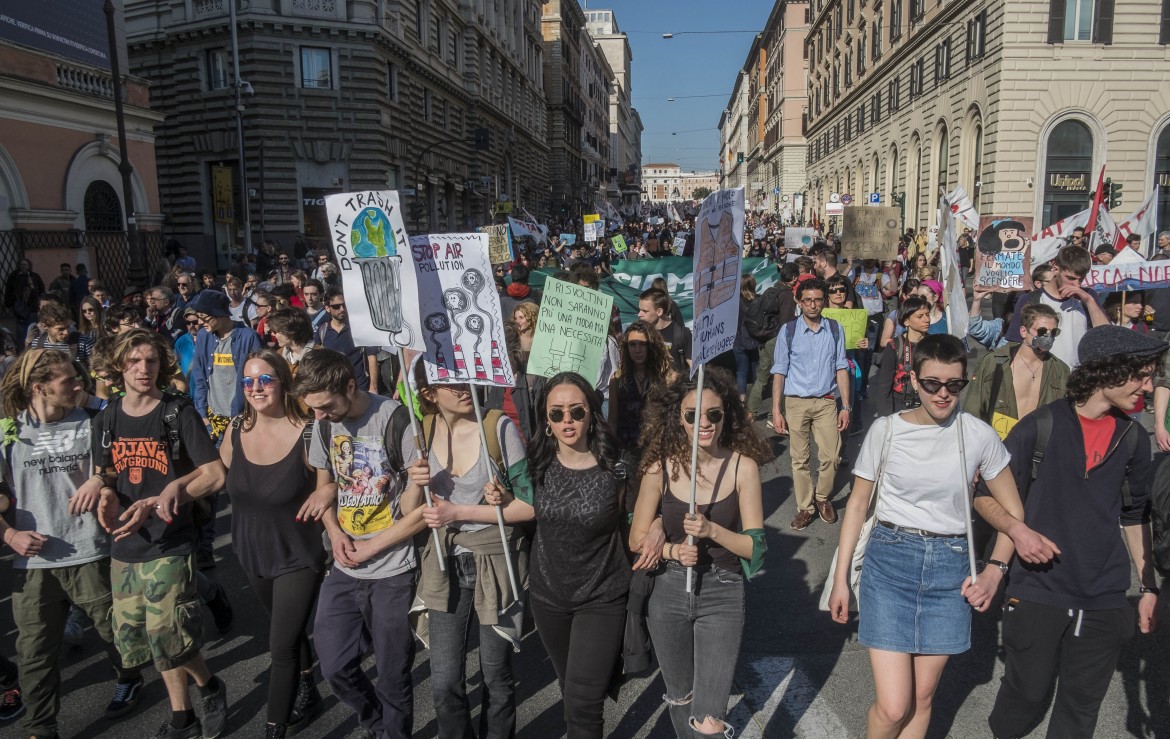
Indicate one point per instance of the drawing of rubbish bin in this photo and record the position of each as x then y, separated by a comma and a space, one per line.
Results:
372, 240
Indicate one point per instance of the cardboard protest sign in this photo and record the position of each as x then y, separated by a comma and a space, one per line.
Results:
796, 239
870, 232
680, 245
1004, 253
369, 242
591, 218
718, 251
853, 322
499, 243
569, 239
759, 233
460, 309
593, 230
571, 332
1128, 275
619, 244
1003, 424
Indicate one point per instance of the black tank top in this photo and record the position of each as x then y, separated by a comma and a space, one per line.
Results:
266, 536
724, 512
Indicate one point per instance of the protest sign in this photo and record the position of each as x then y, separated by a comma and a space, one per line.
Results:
796, 239
499, 243
853, 322
870, 232
1128, 275
680, 245
715, 274
569, 239
1004, 252
591, 218
521, 228
593, 230
619, 244
1003, 424
369, 242
460, 309
571, 332
759, 233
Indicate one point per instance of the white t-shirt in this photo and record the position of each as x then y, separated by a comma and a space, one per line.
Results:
1074, 322
921, 485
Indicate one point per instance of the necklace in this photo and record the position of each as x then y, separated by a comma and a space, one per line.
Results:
1033, 373
642, 382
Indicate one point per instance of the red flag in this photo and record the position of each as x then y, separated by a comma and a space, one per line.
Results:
1098, 197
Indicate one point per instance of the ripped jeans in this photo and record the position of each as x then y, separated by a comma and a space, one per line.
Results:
696, 638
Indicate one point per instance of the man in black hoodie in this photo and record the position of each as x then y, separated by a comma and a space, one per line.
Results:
1083, 467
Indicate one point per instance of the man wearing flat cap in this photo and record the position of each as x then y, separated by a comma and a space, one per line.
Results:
1083, 468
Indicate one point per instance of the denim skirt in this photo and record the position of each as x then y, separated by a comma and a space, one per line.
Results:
910, 600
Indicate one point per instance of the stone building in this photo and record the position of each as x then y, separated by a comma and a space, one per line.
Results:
735, 141
1019, 102
667, 183
596, 86
439, 99
783, 103
625, 125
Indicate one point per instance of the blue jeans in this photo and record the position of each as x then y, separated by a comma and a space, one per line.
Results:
696, 638
352, 615
449, 634
746, 362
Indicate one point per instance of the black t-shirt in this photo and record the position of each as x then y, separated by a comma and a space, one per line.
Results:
141, 457
678, 341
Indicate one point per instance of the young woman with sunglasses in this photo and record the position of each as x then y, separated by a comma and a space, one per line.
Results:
269, 479
891, 389
837, 297
89, 327
644, 365
697, 636
580, 571
475, 584
916, 593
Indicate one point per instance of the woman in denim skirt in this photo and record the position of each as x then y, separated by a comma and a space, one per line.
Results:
696, 634
916, 591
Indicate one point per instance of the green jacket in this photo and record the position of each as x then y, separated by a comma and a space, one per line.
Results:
979, 402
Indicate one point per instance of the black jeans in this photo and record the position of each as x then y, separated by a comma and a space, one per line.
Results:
288, 600
1041, 642
584, 644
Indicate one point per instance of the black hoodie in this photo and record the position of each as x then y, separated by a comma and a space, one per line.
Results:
1079, 511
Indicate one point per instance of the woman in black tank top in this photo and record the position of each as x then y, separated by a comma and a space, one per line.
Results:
269, 479
695, 632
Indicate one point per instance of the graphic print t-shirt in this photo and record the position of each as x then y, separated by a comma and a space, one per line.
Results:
367, 489
141, 456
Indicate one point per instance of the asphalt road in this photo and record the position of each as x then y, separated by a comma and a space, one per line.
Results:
798, 673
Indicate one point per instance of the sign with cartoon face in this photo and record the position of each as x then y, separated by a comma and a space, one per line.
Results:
1004, 253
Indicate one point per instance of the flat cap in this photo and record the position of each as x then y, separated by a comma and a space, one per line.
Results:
1114, 341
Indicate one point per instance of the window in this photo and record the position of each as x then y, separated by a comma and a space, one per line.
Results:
942, 61
861, 56
852, 11
876, 34
875, 109
428, 106
1162, 178
848, 70
422, 20
917, 75
1164, 34
392, 82
977, 36
1080, 20
861, 119
316, 68
917, 9
892, 99
1068, 165
218, 69
977, 166
942, 157
895, 20
101, 207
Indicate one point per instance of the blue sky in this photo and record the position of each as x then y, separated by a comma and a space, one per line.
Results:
699, 64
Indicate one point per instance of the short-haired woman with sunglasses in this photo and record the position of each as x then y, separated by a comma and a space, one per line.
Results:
644, 365
580, 572
269, 479
891, 389
916, 592
697, 637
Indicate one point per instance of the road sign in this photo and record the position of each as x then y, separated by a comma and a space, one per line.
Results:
775, 191
875, 198
847, 199
834, 209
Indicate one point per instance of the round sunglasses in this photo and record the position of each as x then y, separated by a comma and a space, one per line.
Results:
577, 413
264, 381
714, 415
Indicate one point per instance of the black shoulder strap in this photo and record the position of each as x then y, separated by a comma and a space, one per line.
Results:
1129, 440
997, 380
396, 428
105, 431
1043, 417
173, 405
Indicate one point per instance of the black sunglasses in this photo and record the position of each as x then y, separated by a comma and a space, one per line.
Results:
954, 387
192, 322
1042, 331
337, 306
577, 413
714, 415
837, 290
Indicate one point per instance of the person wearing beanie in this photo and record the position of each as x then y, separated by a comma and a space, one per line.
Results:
1083, 468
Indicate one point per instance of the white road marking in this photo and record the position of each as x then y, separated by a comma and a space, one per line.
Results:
794, 692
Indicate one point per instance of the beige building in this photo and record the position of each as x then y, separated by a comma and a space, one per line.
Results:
667, 183
782, 96
1019, 102
697, 181
735, 141
625, 125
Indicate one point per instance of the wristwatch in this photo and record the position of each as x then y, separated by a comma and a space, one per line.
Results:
847, 408
1001, 565
1154, 591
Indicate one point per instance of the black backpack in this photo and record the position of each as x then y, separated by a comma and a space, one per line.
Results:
173, 404
762, 320
1160, 516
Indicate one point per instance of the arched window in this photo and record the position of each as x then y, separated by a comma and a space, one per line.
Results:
977, 164
873, 175
103, 209
1162, 178
913, 182
892, 174
1067, 171
942, 158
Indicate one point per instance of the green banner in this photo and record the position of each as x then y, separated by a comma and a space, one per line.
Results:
632, 276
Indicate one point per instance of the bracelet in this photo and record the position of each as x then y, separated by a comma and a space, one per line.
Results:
670, 551
1152, 591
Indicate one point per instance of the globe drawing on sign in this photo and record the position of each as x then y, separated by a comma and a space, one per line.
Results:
372, 241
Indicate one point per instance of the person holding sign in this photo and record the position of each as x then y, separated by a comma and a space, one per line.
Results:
697, 639
892, 391
475, 580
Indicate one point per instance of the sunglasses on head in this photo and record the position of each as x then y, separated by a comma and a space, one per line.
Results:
954, 387
577, 413
714, 415
263, 380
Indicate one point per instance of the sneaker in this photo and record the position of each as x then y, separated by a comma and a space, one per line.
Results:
125, 697
11, 704
74, 628
274, 731
166, 731
205, 560
307, 706
214, 715
221, 610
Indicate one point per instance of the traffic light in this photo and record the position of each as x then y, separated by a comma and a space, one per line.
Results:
1113, 193
418, 211
739, 158
482, 139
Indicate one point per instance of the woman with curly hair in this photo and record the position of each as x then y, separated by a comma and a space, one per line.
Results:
697, 637
525, 317
644, 365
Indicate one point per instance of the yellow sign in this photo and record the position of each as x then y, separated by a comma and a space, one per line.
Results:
592, 217
852, 320
504, 206
1003, 424
221, 194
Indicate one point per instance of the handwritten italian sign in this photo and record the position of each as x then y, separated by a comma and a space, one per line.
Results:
619, 244
715, 274
1004, 253
853, 323
870, 232
571, 330
499, 243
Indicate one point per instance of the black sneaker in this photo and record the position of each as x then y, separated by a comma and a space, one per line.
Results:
214, 715
11, 704
221, 610
125, 697
275, 731
166, 731
205, 560
307, 706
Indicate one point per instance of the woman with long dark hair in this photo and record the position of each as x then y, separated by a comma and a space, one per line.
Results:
697, 638
644, 365
746, 349
891, 388
269, 479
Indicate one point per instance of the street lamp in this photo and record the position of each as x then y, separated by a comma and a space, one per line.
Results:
134, 247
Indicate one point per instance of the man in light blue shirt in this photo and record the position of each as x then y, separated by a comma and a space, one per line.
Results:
808, 362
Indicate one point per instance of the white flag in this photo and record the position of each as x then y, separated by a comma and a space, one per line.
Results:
957, 317
962, 208
1105, 232
526, 228
1056, 236
1144, 221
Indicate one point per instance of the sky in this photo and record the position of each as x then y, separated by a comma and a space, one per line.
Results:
687, 65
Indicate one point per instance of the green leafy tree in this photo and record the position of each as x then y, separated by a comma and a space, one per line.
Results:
700, 193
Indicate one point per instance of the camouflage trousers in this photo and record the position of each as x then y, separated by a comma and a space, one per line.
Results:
156, 612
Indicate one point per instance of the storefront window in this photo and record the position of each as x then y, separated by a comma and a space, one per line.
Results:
1162, 179
1067, 175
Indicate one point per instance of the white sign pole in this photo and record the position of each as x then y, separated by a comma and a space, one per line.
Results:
695, 465
420, 445
499, 513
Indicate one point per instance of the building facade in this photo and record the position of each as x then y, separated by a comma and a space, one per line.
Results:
61, 194
441, 100
597, 87
783, 97
1019, 102
625, 125
735, 141
667, 183
562, 29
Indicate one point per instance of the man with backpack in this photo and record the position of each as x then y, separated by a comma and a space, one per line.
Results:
153, 454
360, 446
1083, 467
775, 307
809, 361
